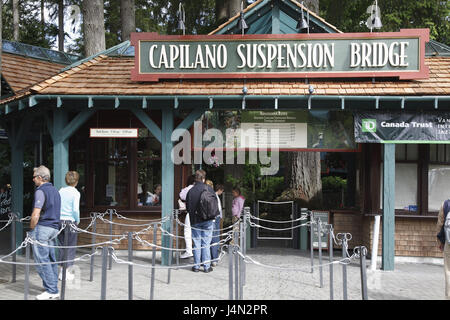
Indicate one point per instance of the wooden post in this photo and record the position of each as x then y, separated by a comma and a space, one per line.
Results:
388, 207
60, 148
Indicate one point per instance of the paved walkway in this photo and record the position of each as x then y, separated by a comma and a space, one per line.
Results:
408, 281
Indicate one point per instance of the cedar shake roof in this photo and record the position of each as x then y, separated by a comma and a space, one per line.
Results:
111, 76
22, 72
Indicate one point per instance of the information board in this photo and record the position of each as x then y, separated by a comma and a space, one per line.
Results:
324, 218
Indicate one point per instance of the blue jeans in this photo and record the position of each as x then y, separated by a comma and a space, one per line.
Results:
215, 239
202, 239
43, 254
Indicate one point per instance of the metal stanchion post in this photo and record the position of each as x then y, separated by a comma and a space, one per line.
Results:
171, 248
130, 266
344, 267
152, 284
330, 252
13, 246
311, 240
104, 267
177, 253
362, 256
110, 235
241, 262
27, 272
64, 271
230, 272
94, 230
319, 236
236, 268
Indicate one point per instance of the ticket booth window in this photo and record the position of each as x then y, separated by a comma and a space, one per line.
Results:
111, 172
148, 169
438, 176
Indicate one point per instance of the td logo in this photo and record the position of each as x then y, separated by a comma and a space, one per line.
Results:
369, 125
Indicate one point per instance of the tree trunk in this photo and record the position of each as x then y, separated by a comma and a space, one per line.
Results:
234, 7
312, 5
43, 19
94, 27
16, 20
221, 11
61, 25
303, 176
128, 18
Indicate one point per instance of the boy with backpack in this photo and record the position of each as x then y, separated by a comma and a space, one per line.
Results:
201, 204
443, 228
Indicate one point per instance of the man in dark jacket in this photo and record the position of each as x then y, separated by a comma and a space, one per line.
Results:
201, 230
44, 225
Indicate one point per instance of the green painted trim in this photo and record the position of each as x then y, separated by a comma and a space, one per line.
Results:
105, 52
189, 120
149, 123
168, 176
76, 123
276, 20
388, 249
414, 142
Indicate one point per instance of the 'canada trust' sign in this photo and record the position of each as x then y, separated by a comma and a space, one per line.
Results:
390, 54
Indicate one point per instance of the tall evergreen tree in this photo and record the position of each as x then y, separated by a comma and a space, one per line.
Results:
94, 27
128, 18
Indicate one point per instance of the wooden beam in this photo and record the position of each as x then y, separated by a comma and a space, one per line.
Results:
148, 122
76, 123
189, 120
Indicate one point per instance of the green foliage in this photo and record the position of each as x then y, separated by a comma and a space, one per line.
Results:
31, 29
254, 186
351, 15
333, 183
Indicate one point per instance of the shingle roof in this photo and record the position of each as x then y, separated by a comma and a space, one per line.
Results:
22, 72
111, 76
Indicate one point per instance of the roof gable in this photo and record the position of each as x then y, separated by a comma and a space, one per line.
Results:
275, 17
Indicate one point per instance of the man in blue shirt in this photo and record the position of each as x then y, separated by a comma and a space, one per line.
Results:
44, 226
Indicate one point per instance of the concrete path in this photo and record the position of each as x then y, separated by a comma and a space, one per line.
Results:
408, 281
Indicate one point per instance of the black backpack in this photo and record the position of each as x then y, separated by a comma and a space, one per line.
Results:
208, 208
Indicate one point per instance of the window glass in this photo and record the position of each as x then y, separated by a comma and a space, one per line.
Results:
111, 172
405, 186
400, 152
433, 148
438, 185
412, 152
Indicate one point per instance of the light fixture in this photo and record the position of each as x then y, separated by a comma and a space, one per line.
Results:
181, 18
241, 23
374, 21
302, 24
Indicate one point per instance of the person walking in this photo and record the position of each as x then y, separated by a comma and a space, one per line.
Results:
70, 213
44, 225
238, 203
187, 223
444, 242
216, 233
201, 229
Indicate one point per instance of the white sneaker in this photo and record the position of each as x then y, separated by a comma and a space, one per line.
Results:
47, 296
69, 275
186, 255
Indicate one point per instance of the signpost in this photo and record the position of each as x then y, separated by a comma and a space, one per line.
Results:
402, 127
324, 218
390, 54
